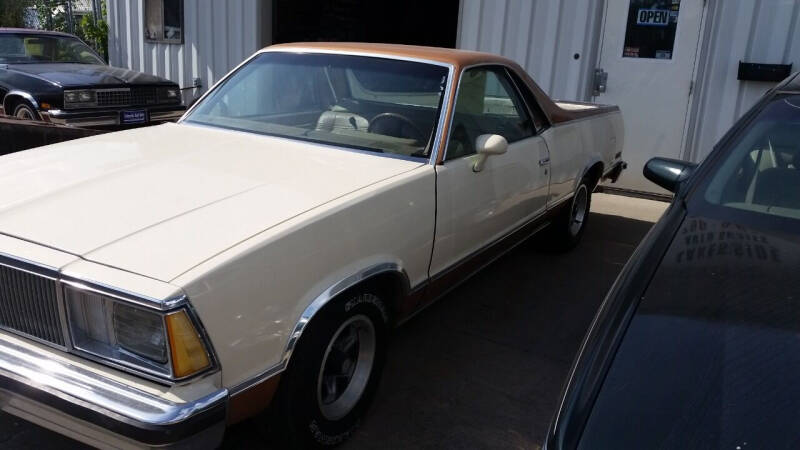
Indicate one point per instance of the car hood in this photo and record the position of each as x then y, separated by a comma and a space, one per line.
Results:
85, 74
724, 271
157, 201
711, 345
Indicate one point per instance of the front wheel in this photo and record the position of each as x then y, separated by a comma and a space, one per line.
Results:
25, 111
333, 373
568, 227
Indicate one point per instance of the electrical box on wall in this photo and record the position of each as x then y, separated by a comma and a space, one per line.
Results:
763, 72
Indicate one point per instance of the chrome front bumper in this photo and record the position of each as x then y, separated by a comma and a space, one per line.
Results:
100, 410
100, 118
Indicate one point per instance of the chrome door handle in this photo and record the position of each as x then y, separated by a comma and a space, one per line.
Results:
544, 161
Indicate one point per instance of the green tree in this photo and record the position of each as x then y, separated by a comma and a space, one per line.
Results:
12, 13
95, 32
52, 16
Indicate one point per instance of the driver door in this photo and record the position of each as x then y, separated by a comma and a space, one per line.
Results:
475, 209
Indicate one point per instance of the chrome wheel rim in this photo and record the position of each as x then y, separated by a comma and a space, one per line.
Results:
578, 213
346, 367
24, 113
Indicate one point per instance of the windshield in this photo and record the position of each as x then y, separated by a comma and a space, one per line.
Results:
761, 172
33, 48
367, 103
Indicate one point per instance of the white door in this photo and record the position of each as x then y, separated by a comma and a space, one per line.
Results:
474, 209
648, 50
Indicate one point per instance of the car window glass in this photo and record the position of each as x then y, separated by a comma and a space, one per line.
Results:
486, 104
366, 103
367, 85
539, 119
761, 172
274, 90
20, 49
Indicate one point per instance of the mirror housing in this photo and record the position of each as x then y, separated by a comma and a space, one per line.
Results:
488, 144
667, 172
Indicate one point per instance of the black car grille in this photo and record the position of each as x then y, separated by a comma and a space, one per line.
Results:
139, 96
28, 305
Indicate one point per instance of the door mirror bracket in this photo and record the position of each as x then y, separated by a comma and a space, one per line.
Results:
488, 144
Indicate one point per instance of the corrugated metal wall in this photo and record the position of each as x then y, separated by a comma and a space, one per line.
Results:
218, 34
543, 36
761, 31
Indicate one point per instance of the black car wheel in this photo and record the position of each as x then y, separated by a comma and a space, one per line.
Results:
23, 110
333, 374
568, 227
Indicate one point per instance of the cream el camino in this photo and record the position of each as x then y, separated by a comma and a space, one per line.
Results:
161, 283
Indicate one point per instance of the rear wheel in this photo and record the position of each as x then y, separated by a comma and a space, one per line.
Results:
333, 373
568, 227
23, 110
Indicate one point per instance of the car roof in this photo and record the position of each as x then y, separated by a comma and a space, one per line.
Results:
793, 85
458, 58
32, 31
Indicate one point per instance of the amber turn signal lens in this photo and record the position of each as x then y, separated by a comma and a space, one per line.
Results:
188, 353
45, 105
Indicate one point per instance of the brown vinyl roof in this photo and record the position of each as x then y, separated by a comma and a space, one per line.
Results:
458, 58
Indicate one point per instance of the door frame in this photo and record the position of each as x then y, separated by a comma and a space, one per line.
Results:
698, 70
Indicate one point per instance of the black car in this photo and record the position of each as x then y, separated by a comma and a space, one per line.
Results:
697, 344
56, 77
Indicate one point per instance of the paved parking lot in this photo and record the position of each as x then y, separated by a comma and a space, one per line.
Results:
483, 367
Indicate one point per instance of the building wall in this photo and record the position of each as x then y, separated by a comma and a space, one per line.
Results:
762, 31
218, 35
543, 36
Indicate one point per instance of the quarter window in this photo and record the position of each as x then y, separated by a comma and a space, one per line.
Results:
486, 104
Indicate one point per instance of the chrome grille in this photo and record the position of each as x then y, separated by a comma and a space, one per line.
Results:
139, 96
29, 305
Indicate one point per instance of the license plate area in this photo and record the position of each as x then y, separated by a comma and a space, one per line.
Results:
133, 116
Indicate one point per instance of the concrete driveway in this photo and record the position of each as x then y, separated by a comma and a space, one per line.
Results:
484, 366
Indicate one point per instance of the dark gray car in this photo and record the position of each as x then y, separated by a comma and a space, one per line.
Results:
697, 344
57, 78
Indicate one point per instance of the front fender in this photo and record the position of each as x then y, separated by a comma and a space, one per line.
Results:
16, 93
256, 298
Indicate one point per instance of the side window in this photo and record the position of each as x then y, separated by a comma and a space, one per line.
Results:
539, 119
486, 104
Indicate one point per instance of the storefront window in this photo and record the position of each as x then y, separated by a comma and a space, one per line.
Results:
163, 21
650, 30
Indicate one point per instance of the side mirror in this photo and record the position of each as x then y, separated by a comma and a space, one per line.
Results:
488, 144
668, 173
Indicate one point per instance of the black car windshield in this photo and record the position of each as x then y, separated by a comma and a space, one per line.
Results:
760, 173
24, 48
368, 103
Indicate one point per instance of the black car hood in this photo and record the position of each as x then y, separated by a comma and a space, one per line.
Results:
66, 74
728, 272
711, 355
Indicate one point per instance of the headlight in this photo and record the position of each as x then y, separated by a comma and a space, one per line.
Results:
163, 343
170, 94
80, 98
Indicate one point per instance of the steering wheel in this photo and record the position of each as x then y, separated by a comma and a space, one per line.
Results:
397, 125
